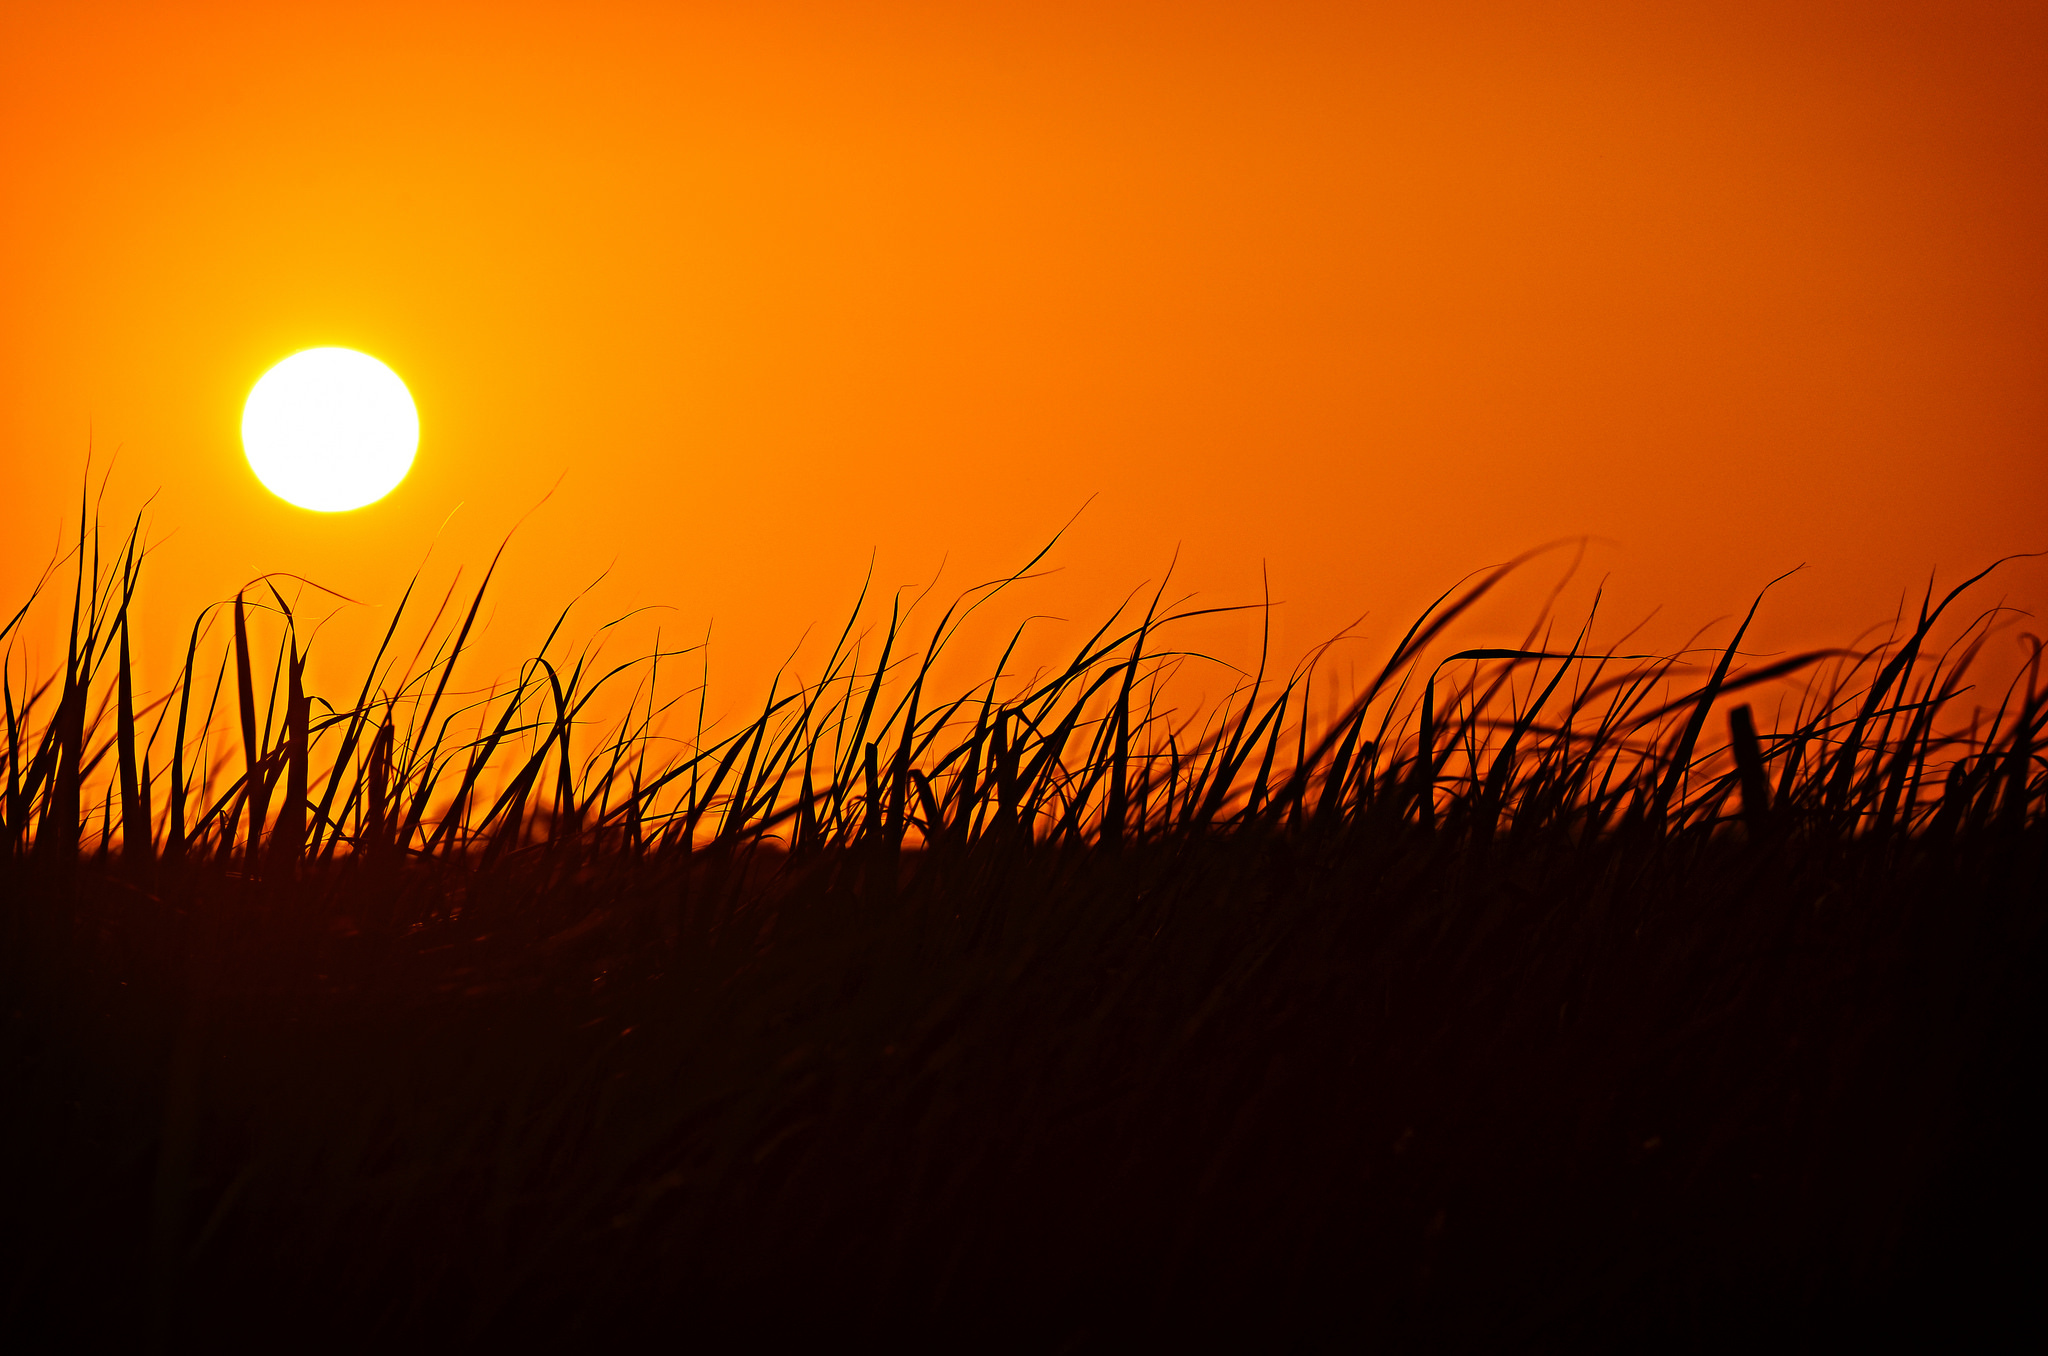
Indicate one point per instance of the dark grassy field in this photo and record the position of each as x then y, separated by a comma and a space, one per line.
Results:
1537, 1000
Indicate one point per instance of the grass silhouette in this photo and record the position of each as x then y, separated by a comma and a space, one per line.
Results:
1539, 998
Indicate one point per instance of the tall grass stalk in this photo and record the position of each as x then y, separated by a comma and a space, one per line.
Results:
1540, 994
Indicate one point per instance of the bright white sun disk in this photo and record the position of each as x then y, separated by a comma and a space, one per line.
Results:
330, 429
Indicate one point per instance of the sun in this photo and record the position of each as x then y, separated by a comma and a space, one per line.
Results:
330, 429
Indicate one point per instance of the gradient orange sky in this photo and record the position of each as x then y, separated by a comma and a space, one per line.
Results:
1370, 294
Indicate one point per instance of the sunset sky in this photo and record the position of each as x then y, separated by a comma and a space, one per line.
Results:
1365, 295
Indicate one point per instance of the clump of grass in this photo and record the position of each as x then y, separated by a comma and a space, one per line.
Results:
1541, 994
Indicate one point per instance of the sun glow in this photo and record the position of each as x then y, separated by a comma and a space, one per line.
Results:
330, 429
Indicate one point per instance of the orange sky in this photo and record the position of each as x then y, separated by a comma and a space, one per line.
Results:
1372, 294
